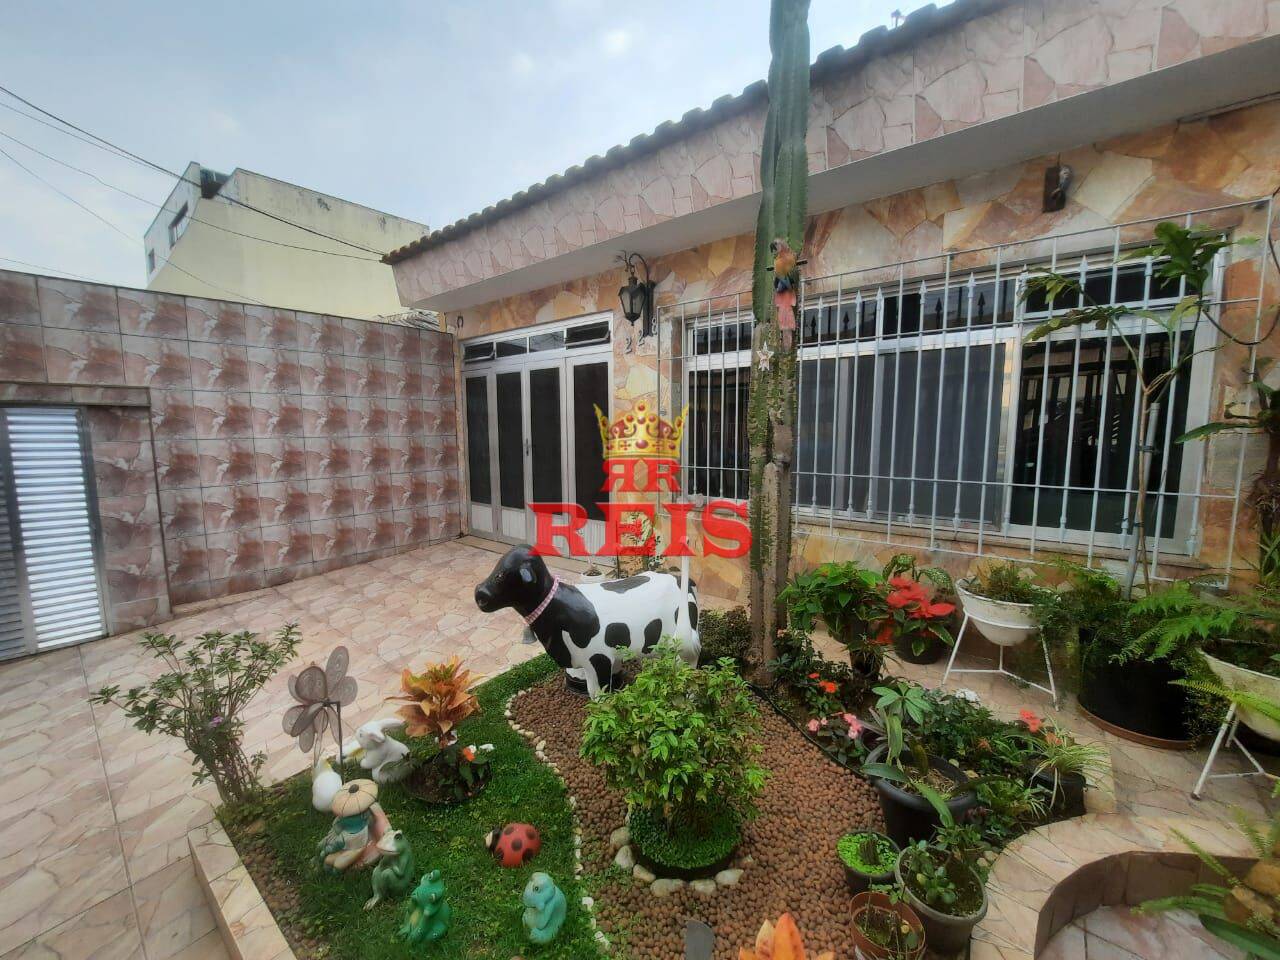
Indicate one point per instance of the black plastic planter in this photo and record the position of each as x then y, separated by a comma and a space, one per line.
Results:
857, 881
909, 816
1137, 700
1068, 801
931, 653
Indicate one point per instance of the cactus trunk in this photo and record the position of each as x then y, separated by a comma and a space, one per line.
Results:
784, 172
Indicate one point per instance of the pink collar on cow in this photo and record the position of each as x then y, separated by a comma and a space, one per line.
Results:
555, 585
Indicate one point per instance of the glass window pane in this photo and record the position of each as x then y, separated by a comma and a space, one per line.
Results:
478, 439
590, 389
716, 431
510, 441
545, 433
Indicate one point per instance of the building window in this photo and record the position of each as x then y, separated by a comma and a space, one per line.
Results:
919, 404
151, 262
177, 225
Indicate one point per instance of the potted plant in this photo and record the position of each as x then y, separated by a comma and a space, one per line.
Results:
1060, 765
1001, 600
868, 858
918, 617
912, 785
944, 890
681, 743
436, 702
885, 928
847, 598
593, 574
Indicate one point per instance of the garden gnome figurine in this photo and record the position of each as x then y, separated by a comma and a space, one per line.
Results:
393, 873
426, 914
545, 908
358, 823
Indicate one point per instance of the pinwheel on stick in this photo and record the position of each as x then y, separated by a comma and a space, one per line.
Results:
320, 694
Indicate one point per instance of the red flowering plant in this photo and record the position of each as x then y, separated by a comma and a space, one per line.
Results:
917, 613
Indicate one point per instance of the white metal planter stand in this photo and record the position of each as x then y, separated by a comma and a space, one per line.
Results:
1228, 733
1051, 690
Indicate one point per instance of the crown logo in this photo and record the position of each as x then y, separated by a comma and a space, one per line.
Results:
641, 433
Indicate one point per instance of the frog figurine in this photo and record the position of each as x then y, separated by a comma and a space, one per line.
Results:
545, 908
393, 873
426, 914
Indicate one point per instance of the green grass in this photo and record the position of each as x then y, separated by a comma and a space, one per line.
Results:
484, 896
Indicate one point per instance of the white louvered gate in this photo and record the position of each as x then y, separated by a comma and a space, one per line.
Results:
50, 593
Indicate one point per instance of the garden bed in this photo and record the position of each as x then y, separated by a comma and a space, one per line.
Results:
787, 855
323, 916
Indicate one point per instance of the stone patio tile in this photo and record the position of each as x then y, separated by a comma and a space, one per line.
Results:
173, 911
208, 947
156, 838
106, 931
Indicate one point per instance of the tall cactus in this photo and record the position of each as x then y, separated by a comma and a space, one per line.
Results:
784, 172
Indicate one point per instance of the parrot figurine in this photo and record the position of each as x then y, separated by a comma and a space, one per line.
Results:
786, 278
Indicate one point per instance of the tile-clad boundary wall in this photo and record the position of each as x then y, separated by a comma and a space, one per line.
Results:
274, 444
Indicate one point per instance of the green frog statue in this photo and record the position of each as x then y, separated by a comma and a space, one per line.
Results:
545, 908
393, 873
426, 914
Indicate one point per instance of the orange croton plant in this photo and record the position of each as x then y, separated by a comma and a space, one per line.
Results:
781, 942
438, 699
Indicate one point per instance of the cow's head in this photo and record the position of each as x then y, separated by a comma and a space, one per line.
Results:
520, 579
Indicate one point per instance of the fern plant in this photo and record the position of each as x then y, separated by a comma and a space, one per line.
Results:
1239, 911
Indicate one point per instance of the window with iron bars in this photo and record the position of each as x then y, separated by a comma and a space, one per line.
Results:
920, 405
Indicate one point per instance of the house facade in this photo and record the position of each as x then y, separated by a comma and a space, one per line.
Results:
925, 420
211, 240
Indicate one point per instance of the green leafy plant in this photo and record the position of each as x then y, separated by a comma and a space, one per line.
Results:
844, 596
679, 742
1008, 582
839, 736
201, 696
1183, 257
715, 839
867, 852
824, 687
1242, 912
724, 634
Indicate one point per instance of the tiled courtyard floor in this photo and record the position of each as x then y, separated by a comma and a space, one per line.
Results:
93, 855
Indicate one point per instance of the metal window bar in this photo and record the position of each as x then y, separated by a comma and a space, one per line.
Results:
852, 449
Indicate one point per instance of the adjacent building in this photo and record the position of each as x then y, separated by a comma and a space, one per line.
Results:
239, 236
925, 420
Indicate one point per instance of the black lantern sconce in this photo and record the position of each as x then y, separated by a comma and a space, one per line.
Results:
637, 295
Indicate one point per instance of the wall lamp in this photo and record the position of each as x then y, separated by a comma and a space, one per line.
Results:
637, 296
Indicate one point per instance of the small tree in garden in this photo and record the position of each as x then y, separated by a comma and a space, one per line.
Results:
679, 742
1182, 257
784, 172
201, 696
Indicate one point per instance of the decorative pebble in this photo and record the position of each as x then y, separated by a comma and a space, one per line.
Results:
619, 838
727, 878
625, 858
705, 887
665, 886
641, 874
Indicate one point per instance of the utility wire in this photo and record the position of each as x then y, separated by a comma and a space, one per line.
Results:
41, 266
128, 236
121, 151
160, 206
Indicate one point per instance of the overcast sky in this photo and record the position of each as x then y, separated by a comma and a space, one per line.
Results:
425, 109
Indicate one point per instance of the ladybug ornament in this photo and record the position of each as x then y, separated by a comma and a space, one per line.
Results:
515, 844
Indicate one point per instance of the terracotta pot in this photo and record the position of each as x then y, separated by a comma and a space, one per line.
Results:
866, 947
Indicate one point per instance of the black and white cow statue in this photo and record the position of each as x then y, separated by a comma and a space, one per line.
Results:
587, 627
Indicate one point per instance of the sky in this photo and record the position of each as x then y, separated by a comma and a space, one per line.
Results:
427, 110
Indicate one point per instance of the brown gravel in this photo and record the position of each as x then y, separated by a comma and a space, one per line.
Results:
788, 852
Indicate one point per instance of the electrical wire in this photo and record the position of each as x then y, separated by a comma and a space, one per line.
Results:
48, 269
128, 236
160, 206
129, 155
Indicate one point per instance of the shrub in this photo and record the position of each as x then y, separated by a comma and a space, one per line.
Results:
679, 742
724, 634
685, 849
199, 699
824, 686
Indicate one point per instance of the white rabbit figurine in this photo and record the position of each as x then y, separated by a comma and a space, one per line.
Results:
376, 749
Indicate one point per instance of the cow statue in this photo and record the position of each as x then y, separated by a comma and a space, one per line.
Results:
587, 627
